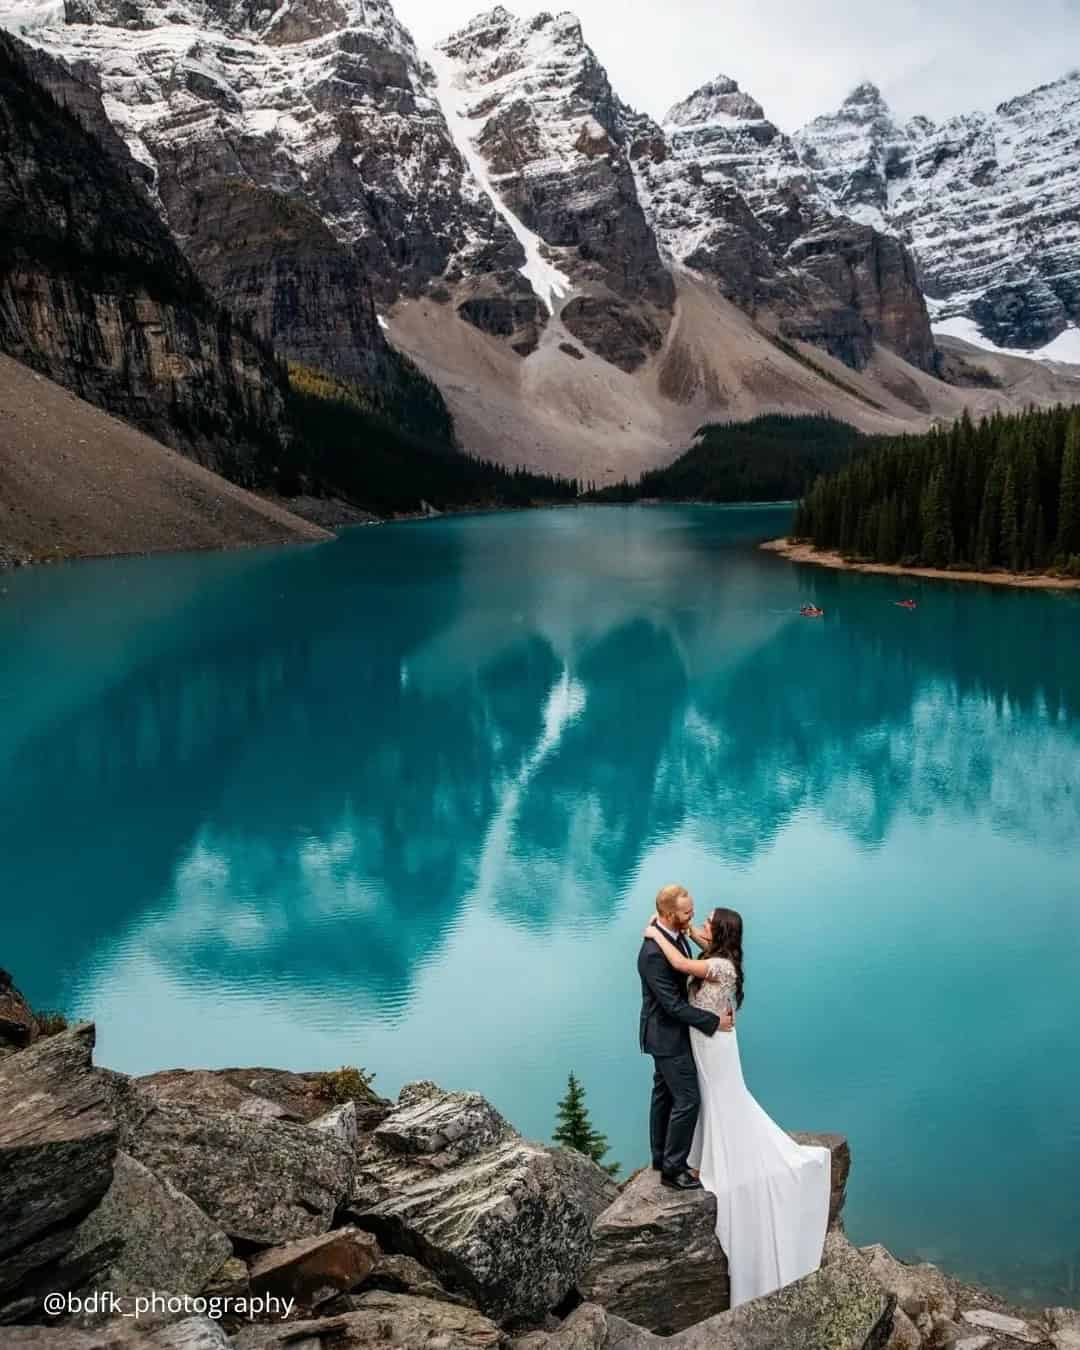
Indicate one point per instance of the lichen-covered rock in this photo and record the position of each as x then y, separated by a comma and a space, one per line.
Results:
905, 1334
917, 1288
18, 1025
836, 1308
1064, 1325
339, 1124
263, 1181
444, 1127
264, 1094
1015, 1328
656, 1261
58, 1140
378, 1322
192, 1333
585, 1329
504, 1220
314, 1270
145, 1234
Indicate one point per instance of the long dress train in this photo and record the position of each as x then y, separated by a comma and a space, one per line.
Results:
772, 1194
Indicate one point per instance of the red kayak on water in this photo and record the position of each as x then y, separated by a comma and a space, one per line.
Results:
811, 612
906, 604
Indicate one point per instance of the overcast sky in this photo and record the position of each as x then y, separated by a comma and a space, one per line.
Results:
801, 57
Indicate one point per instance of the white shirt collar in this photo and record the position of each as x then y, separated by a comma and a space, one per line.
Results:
673, 937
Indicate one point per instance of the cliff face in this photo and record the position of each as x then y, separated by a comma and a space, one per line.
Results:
94, 292
988, 203
729, 197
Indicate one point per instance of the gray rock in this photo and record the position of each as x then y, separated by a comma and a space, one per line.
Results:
397, 1274
656, 1261
58, 1140
1064, 1324
193, 1333
905, 1334
147, 1235
18, 1025
504, 1220
836, 1308
263, 1181
317, 1269
381, 1320
445, 1127
918, 1289
585, 1329
1014, 1327
340, 1124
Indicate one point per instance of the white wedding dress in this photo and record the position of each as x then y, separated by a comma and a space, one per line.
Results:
772, 1194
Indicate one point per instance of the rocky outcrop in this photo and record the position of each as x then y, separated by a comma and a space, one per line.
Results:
58, 1140
382, 1320
731, 199
263, 1181
95, 294
988, 202
267, 1094
18, 1025
656, 1261
483, 1215
146, 1234
445, 1179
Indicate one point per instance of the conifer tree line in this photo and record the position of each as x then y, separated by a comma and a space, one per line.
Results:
1003, 493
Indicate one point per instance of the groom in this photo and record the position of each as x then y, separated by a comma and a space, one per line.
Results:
666, 1017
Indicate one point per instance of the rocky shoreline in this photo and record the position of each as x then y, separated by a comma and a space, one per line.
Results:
806, 553
259, 1209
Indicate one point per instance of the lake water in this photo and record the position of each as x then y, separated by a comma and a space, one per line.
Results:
403, 800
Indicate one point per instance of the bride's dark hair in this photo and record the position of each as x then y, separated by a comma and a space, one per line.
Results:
725, 926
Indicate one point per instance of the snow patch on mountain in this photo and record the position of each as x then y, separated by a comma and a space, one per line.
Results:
1065, 347
547, 280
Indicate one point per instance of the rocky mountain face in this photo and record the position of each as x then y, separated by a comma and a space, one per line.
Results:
496, 211
988, 203
501, 174
730, 197
95, 293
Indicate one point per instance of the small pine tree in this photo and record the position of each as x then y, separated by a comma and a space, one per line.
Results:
574, 1129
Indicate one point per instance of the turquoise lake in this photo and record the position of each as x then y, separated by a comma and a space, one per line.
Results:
403, 800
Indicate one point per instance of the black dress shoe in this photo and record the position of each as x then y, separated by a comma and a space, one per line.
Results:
680, 1181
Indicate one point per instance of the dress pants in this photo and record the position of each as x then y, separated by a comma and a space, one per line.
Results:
676, 1102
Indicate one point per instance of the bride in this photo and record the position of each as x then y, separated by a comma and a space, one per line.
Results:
772, 1194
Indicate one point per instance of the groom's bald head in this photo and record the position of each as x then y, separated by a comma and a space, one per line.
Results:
675, 907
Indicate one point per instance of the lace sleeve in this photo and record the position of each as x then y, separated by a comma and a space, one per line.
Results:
720, 969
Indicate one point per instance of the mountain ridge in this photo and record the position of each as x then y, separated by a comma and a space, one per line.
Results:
584, 285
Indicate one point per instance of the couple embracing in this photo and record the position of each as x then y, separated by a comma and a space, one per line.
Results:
706, 1130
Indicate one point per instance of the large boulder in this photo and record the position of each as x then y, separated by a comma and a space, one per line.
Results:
145, 1234
18, 1025
507, 1222
839, 1307
587, 1328
262, 1181
917, 1289
267, 1094
656, 1262
380, 1320
58, 1140
193, 1333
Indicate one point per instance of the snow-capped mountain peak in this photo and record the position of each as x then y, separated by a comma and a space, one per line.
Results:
718, 99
